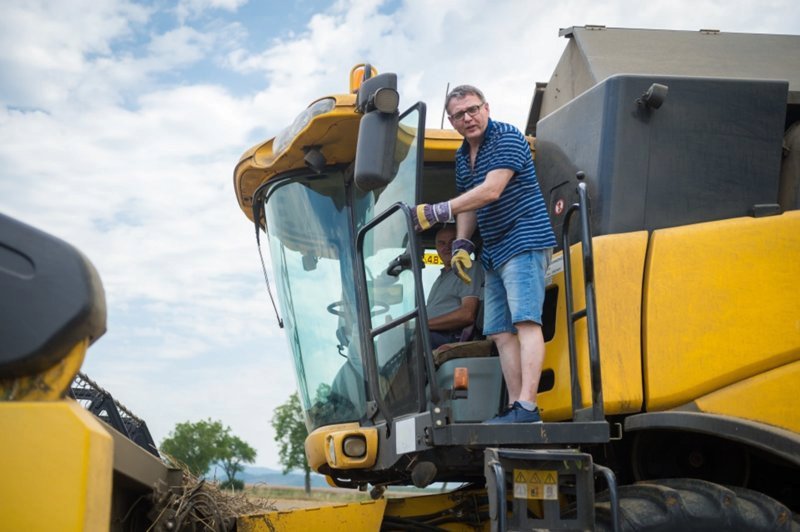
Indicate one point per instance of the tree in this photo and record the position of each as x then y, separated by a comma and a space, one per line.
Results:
195, 444
234, 451
200, 444
290, 432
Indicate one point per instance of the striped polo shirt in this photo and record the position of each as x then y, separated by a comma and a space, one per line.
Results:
518, 220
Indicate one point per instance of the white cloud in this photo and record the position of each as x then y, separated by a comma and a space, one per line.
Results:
130, 158
46, 47
187, 9
504, 48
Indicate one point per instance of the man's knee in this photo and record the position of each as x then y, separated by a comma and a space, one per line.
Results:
502, 337
528, 326
530, 333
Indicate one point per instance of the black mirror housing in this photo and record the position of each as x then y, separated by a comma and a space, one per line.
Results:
377, 135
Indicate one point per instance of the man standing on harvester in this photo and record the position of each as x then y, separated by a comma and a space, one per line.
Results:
499, 193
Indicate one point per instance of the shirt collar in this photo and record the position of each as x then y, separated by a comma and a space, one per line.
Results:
490, 128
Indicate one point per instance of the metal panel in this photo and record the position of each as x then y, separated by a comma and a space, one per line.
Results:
711, 151
595, 53
135, 463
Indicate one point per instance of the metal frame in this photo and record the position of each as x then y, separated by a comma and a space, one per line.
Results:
101, 403
499, 468
367, 340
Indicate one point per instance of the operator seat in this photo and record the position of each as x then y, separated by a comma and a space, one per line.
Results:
471, 344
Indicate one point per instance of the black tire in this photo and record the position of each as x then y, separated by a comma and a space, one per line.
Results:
688, 505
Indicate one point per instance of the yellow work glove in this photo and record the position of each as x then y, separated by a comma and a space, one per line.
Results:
461, 261
425, 215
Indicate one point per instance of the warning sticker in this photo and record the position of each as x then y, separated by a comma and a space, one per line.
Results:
533, 484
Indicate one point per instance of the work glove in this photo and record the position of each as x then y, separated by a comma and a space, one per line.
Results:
461, 261
425, 215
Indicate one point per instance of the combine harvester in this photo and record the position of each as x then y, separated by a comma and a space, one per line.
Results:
671, 324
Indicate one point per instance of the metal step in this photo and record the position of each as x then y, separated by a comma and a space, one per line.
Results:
550, 489
480, 435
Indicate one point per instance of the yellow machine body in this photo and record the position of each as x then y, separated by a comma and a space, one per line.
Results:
702, 315
619, 266
372, 515
59, 462
353, 516
720, 318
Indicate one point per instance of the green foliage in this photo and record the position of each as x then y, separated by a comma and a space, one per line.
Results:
233, 484
200, 444
232, 452
194, 444
290, 433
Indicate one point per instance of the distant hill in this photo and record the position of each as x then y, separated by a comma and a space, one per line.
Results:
271, 477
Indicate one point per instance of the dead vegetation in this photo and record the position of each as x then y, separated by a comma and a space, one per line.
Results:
199, 505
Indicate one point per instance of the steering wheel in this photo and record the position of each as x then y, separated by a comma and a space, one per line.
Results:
378, 308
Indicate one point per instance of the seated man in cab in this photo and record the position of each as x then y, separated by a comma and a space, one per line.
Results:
452, 304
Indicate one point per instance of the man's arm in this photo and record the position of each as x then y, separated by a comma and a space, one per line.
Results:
465, 224
426, 215
484, 194
457, 319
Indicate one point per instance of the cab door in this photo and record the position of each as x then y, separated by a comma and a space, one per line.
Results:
396, 345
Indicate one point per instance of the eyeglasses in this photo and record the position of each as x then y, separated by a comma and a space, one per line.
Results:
471, 111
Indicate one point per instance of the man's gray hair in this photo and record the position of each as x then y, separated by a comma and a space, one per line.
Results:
463, 90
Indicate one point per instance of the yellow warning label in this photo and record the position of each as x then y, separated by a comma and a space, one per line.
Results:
432, 259
533, 484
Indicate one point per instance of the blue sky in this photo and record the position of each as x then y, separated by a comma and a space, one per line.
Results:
121, 122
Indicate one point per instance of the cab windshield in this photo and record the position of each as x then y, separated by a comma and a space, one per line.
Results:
312, 221
310, 239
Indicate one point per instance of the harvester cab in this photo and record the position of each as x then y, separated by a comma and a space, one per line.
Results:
382, 408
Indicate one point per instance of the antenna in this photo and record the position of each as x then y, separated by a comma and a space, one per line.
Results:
444, 107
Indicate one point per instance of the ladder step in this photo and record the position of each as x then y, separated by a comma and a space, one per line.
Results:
540, 480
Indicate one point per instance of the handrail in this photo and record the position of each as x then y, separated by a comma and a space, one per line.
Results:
590, 311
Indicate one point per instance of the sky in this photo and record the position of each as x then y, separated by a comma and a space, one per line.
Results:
121, 122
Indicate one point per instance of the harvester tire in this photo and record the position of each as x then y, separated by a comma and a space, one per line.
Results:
690, 505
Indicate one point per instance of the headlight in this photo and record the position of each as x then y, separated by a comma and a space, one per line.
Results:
332, 451
354, 446
284, 138
386, 100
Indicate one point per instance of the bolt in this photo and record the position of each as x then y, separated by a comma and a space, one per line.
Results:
696, 459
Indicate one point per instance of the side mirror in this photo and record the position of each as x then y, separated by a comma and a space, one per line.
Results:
377, 135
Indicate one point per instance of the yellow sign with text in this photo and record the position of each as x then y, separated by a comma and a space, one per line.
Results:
432, 259
534, 484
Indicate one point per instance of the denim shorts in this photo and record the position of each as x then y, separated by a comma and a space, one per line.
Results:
514, 292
